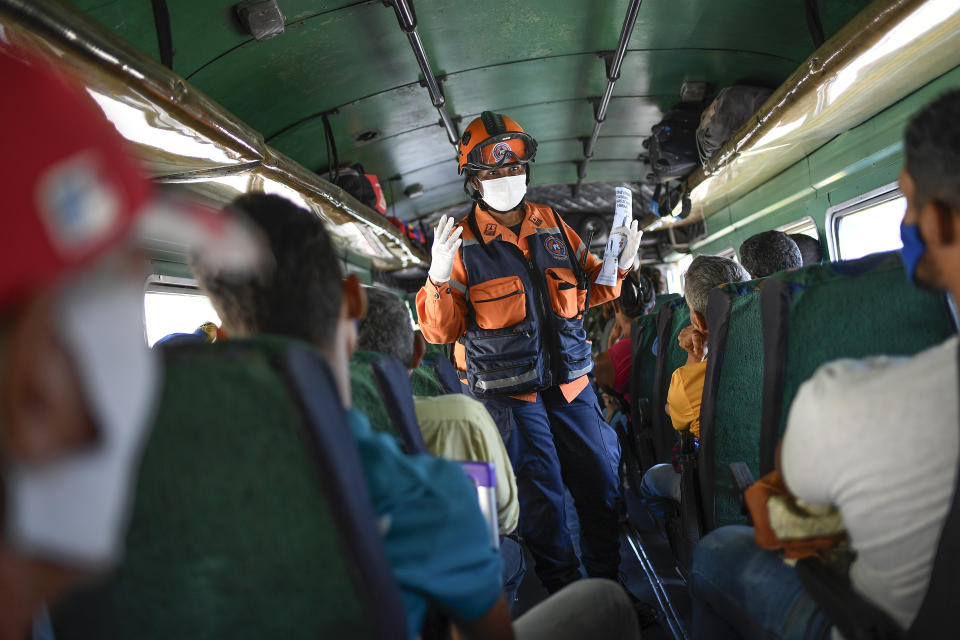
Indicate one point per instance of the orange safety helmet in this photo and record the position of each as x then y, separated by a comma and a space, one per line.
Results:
492, 141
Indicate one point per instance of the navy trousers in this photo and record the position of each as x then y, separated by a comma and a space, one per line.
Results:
552, 443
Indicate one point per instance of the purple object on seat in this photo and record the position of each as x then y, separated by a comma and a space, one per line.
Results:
484, 476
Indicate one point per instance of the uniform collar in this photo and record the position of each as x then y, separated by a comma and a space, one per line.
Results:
490, 228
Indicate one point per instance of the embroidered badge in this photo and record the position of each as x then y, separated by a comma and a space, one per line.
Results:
491, 230
500, 151
537, 221
555, 247
80, 206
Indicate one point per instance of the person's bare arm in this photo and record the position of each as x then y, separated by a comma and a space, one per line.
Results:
495, 624
603, 370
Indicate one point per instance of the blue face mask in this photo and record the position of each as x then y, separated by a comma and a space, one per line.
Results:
913, 249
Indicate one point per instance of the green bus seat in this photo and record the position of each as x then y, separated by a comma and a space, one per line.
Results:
732, 398
670, 357
768, 336
643, 361
842, 310
445, 375
393, 381
251, 517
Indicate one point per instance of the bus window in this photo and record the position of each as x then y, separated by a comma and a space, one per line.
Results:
806, 226
175, 309
675, 272
868, 226
730, 254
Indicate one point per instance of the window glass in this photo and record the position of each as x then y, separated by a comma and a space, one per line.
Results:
175, 310
730, 254
870, 230
675, 271
805, 226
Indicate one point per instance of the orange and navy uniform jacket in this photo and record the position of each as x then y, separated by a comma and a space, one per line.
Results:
515, 305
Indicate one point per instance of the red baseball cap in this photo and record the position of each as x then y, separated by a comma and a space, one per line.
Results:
71, 187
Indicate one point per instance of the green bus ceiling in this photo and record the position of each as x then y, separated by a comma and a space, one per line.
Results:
536, 61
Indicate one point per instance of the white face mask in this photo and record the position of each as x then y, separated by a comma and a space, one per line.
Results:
74, 509
504, 194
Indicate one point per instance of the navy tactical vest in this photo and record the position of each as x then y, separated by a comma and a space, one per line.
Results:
524, 317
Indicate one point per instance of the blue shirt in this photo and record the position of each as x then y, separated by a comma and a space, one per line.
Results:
432, 528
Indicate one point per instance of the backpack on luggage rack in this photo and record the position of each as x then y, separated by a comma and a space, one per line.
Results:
729, 111
673, 144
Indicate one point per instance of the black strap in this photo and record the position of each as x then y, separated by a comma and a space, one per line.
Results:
718, 325
447, 375
393, 381
664, 325
853, 615
579, 266
775, 312
475, 228
161, 21
936, 614
341, 477
578, 270
639, 419
691, 512
333, 161
814, 24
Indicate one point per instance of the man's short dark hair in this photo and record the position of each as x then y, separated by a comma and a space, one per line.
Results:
387, 327
810, 249
769, 252
932, 150
297, 293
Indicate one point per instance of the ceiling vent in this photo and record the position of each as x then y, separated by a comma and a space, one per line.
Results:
414, 191
367, 136
261, 18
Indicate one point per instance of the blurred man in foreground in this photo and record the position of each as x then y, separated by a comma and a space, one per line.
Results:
77, 381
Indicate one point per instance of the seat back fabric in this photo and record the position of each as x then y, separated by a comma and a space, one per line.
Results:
393, 380
251, 516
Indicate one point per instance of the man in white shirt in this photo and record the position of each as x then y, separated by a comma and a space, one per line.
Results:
876, 438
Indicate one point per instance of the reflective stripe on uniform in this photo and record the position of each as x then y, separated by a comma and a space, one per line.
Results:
487, 385
582, 372
548, 230
458, 286
580, 250
469, 242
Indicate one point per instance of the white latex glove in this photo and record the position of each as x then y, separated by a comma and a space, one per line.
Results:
445, 245
631, 245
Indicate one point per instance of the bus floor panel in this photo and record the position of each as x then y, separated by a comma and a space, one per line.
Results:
658, 580
647, 569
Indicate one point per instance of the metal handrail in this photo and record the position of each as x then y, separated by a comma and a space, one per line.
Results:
407, 18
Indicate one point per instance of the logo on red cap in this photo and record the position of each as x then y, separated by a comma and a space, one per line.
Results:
79, 205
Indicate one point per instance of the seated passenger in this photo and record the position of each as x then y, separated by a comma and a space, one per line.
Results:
686, 384
611, 369
436, 541
454, 426
810, 250
875, 438
768, 252
206, 333
77, 381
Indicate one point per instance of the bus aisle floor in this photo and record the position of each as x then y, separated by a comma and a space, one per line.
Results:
647, 568
651, 572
